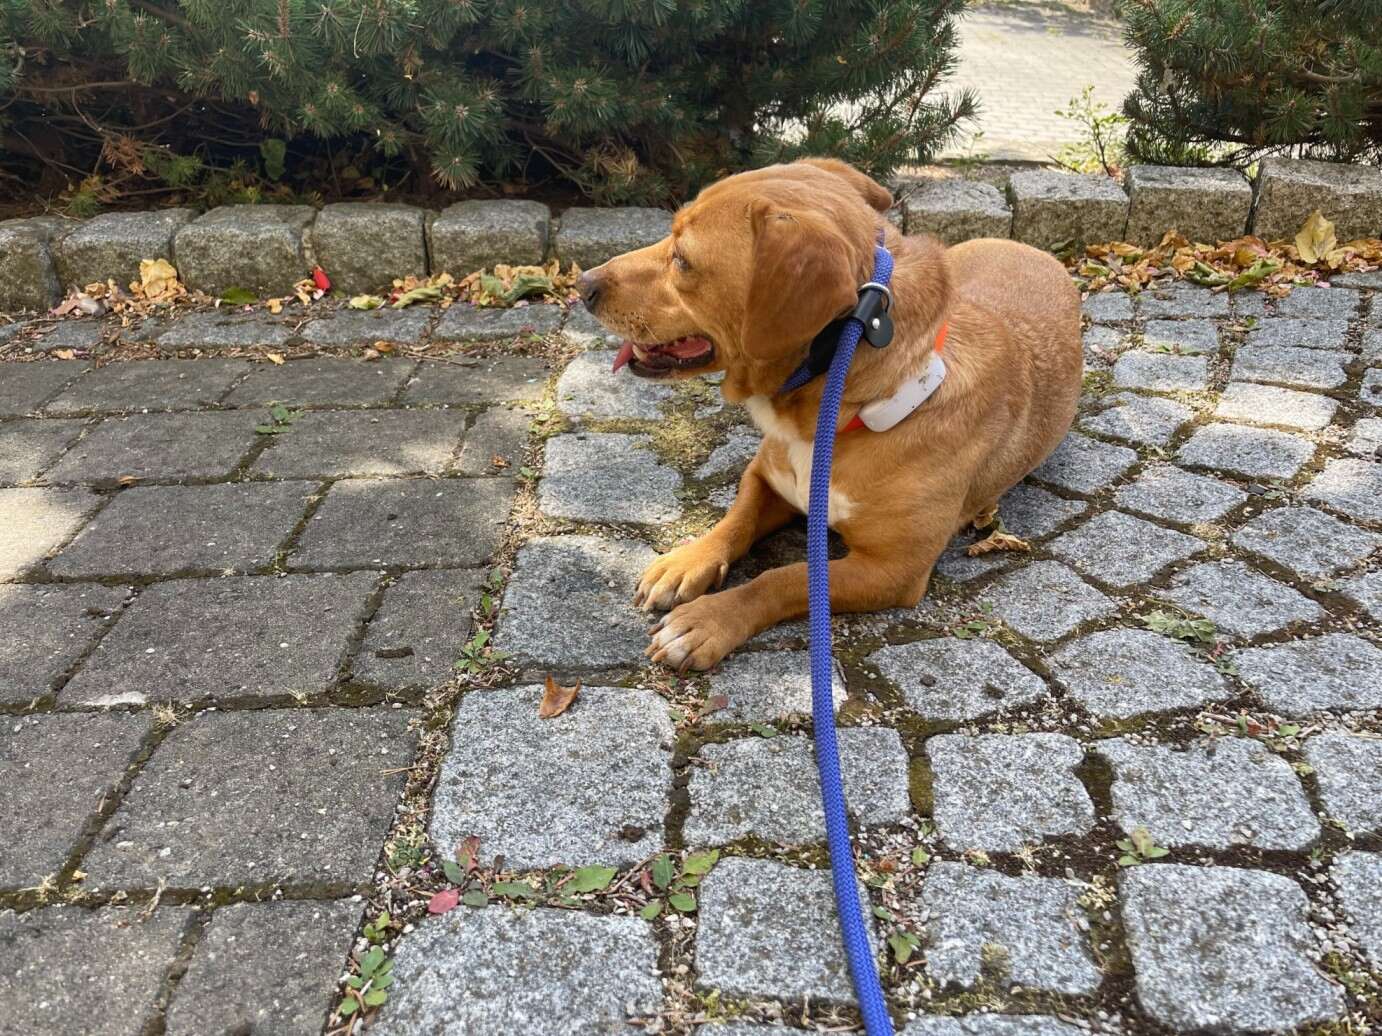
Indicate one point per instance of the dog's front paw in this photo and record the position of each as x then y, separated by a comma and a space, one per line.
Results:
681, 575
696, 635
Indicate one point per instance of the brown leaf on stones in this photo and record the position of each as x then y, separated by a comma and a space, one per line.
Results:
556, 699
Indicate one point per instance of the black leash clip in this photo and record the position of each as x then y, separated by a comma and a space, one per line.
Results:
875, 300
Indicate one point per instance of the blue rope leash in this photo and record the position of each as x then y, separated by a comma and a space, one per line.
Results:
863, 968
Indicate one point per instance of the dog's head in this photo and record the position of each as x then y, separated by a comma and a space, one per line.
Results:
753, 269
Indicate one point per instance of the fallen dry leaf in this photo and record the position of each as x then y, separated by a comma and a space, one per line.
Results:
556, 699
1315, 239
445, 900
274, 305
158, 281
276, 359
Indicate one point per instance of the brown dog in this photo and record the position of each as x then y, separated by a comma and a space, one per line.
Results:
754, 268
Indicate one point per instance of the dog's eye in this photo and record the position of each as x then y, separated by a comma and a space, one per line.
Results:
680, 261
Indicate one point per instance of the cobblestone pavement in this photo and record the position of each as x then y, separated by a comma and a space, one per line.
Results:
233, 734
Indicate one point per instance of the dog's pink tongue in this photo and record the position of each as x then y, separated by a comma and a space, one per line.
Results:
625, 355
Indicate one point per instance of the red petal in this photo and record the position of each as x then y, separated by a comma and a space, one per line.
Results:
320, 279
443, 901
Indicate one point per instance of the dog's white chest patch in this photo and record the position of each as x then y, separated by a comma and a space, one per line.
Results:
793, 484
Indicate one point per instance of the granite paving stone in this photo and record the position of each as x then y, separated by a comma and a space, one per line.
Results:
945, 678
495, 442
222, 329
590, 786
497, 971
257, 248
1335, 671
1370, 391
585, 332
733, 455
302, 945
1341, 303
1299, 333
93, 972
363, 246
1253, 452
476, 235
1102, 345
364, 443
568, 603
1166, 491
1348, 770
1120, 550
80, 335
767, 687
35, 521
46, 806
1032, 512
992, 1025
1179, 299
1108, 306
956, 565
477, 379
1372, 341
998, 792
1052, 206
749, 911
25, 387
149, 385
1357, 877
590, 236
606, 476
257, 798
1045, 600
1240, 600
1181, 336
165, 447
1305, 541
234, 527
1212, 204
956, 210
50, 627
419, 630
356, 327
1024, 929
29, 446
1215, 794
1366, 440
1145, 420
588, 389
1353, 487
1296, 368
411, 523
28, 278
1084, 465
768, 788
321, 381
1365, 590
1161, 372
463, 323
1127, 673
256, 637
1270, 405
1239, 962
112, 245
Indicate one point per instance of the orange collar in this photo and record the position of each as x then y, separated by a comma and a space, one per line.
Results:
857, 422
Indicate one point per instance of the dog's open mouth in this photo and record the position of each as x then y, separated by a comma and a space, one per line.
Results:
690, 352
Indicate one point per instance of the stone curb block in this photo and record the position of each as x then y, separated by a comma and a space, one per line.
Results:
588, 237
1051, 207
363, 246
260, 248
1213, 204
28, 276
1288, 190
956, 210
473, 235
111, 246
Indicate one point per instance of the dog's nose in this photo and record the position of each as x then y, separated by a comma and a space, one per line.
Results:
590, 286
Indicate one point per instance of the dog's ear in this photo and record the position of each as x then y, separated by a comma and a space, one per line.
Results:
803, 277
873, 192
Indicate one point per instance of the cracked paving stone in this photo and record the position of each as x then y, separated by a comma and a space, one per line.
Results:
587, 388
1146, 420
251, 637
1032, 512
1217, 794
1267, 404
1365, 590
1351, 486
30, 445
1108, 306
149, 385
1240, 600
1045, 600
419, 630
302, 944
1025, 929
1161, 372
1254, 452
1297, 368
71, 970
1366, 440
1305, 541
606, 476
222, 330
1239, 962
365, 327
589, 786
321, 381
1370, 390
1165, 491
1181, 300
750, 910
1357, 877
159, 446
416, 523
212, 532
1120, 550
767, 686
363, 443
998, 792
497, 972
957, 680
767, 787
1084, 465
1320, 302
1181, 336
462, 323
1348, 770
569, 603
467, 380
1336, 671
95, 749
35, 521
27, 386
257, 798
992, 1025
495, 442
1299, 333
47, 629
1125, 674
733, 455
